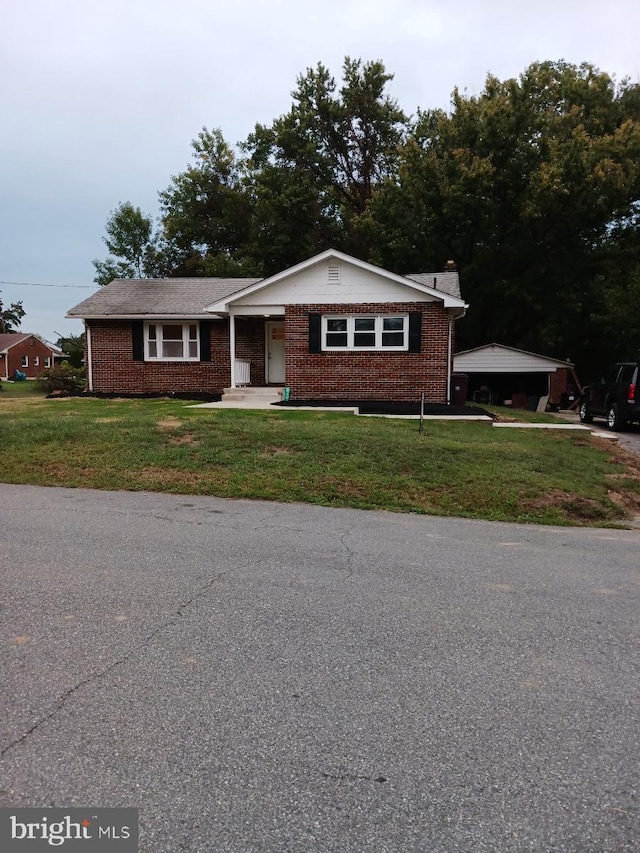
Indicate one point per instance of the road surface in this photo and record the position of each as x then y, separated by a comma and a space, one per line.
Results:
267, 678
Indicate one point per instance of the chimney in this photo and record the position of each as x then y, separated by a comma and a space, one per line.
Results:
451, 266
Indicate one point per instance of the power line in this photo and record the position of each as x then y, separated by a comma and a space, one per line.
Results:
40, 284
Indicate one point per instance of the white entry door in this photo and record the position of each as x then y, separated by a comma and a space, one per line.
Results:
274, 372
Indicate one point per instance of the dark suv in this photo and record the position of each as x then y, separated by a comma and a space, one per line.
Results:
616, 397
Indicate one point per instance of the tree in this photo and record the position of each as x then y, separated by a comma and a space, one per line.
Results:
524, 186
73, 346
205, 212
130, 240
324, 158
11, 317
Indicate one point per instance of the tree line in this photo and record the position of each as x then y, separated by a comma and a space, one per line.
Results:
532, 187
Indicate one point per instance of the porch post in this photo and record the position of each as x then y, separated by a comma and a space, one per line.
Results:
232, 347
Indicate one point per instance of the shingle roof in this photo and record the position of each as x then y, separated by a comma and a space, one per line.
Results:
10, 340
447, 282
186, 297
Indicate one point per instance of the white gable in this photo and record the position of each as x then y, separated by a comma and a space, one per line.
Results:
330, 281
495, 358
329, 278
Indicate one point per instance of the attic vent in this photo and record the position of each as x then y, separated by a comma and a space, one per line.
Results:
334, 274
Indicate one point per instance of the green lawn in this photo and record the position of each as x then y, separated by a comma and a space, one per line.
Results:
13, 390
454, 468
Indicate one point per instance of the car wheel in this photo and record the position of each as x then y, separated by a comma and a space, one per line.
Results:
614, 421
585, 415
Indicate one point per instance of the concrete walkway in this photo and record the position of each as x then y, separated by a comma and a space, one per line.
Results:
265, 398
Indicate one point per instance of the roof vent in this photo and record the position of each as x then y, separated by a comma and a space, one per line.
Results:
333, 276
450, 266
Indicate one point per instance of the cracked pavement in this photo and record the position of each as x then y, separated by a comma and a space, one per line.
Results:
265, 677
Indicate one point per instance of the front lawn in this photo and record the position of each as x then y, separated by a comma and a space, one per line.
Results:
454, 468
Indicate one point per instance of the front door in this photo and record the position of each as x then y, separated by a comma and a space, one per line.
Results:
274, 370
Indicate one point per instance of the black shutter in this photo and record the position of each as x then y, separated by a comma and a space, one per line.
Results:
205, 340
315, 333
415, 331
137, 340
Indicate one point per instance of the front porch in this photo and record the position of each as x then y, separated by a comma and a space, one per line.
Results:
257, 351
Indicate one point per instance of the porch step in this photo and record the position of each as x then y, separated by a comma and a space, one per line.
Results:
249, 393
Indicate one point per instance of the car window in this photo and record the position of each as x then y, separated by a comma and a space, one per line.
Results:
626, 374
611, 375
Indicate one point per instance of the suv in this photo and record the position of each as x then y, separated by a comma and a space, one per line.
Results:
616, 397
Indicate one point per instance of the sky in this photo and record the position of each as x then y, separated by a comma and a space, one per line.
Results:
99, 101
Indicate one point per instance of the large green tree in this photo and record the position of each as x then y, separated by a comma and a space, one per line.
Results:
315, 169
525, 187
205, 212
131, 244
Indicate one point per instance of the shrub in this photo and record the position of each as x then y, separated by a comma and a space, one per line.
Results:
62, 377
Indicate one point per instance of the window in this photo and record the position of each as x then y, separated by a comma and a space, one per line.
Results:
365, 332
36, 361
172, 342
25, 361
47, 361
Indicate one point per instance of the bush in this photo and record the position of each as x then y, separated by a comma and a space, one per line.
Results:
62, 377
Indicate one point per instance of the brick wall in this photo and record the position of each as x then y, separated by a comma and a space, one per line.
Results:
398, 376
250, 344
115, 371
30, 347
558, 383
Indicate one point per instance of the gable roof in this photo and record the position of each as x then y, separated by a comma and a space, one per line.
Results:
157, 297
500, 356
204, 297
9, 340
448, 292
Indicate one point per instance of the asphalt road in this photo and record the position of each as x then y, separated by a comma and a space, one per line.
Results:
265, 678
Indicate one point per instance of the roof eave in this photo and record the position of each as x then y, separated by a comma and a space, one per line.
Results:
140, 316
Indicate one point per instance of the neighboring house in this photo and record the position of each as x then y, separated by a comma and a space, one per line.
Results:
27, 353
330, 328
499, 374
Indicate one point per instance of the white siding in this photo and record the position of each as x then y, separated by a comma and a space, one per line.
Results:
311, 286
496, 359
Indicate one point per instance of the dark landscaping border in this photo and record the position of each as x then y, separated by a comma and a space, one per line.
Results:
389, 407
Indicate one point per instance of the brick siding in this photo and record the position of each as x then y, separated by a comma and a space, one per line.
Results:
397, 376
31, 347
250, 345
115, 371
558, 384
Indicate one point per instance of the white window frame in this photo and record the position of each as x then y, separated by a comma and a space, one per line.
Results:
378, 330
47, 361
186, 325
24, 361
36, 361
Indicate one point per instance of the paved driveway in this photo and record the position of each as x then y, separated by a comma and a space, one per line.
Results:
629, 438
262, 678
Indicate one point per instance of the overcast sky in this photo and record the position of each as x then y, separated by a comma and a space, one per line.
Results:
100, 100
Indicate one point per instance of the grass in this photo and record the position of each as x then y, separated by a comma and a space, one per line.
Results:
454, 468
20, 390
